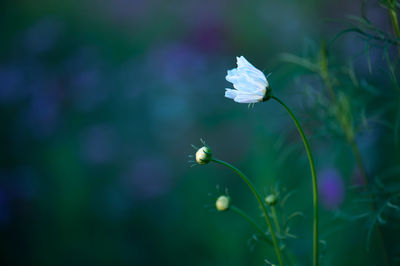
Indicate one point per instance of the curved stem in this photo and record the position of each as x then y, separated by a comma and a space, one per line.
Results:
251, 186
259, 229
314, 179
252, 222
276, 221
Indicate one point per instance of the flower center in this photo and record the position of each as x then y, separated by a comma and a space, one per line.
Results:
267, 95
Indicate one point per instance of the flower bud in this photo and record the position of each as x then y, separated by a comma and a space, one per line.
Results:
271, 199
203, 155
222, 203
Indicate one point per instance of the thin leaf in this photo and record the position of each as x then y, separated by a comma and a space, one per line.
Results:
294, 59
367, 46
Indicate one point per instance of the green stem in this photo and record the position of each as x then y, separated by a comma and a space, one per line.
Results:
258, 228
276, 221
314, 179
252, 222
357, 155
251, 186
395, 23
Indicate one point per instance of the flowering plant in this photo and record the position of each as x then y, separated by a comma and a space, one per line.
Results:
251, 86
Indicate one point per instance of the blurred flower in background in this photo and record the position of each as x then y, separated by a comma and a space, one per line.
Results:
331, 188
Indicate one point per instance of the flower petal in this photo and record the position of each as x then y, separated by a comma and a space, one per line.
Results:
245, 81
232, 75
247, 98
231, 94
249, 85
250, 88
243, 63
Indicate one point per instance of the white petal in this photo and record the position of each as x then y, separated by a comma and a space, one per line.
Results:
232, 75
245, 81
248, 84
252, 74
245, 97
248, 99
231, 94
249, 87
243, 63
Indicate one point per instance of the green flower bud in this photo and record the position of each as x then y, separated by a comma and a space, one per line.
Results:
203, 155
222, 203
271, 200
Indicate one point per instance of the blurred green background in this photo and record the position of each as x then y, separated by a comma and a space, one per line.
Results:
100, 101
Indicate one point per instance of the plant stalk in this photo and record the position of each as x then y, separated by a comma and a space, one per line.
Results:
360, 163
313, 176
252, 222
395, 23
276, 221
252, 188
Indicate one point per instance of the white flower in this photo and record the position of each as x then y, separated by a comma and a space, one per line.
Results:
251, 85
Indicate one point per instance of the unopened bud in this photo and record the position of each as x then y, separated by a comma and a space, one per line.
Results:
271, 200
222, 203
203, 155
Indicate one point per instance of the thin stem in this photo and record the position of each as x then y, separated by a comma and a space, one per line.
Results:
357, 155
276, 221
395, 23
252, 222
251, 186
258, 228
314, 179
325, 77
323, 70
